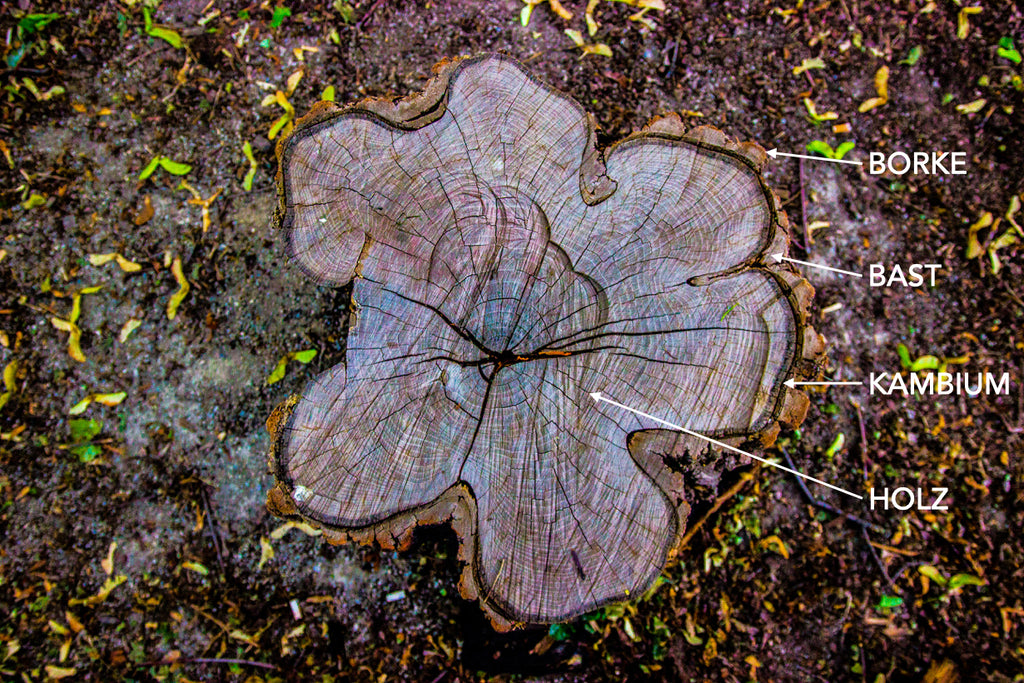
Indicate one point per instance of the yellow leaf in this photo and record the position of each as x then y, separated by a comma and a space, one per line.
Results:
108, 562
10, 376
597, 49
58, 628
183, 287
65, 650
244, 637
80, 407
59, 672
972, 107
963, 24
101, 259
775, 544
882, 83
127, 329
126, 265
110, 400
868, 105
266, 551
807, 64
74, 346
589, 16
812, 110
293, 81
195, 567
973, 246
557, 8
108, 585
76, 625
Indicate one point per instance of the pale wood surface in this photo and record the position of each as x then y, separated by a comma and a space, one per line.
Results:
501, 273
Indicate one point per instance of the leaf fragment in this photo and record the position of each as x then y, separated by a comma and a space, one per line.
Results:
247, 151
127, 329
166, 163
972, 107
266, 551
172, 37
963, 23
183, 287
108, 586
881, 88
58, 672
808, 64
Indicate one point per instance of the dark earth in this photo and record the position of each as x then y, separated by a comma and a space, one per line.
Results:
135, 541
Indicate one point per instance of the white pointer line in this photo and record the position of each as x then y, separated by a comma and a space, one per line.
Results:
779, 258
773, 153
597, 396
793, 384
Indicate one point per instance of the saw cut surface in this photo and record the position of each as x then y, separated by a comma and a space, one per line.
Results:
503, 268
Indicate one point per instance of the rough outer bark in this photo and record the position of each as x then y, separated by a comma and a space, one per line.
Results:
504, 267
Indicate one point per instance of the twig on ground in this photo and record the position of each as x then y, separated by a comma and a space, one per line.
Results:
863, 523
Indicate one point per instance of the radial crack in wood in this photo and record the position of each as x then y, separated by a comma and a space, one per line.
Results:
503, 268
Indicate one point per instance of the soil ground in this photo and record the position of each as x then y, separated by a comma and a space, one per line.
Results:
135, 541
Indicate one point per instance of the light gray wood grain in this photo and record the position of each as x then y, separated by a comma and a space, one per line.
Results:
502, 271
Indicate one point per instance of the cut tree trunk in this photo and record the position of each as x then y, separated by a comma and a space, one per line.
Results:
503, 268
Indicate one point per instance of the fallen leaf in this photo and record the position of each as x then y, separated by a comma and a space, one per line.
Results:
807, 64
882, 90
974, 248
963, 24
109, 585
183, 287
107, 563
972, 107
266, 551
57, 672
126, 330
146, 212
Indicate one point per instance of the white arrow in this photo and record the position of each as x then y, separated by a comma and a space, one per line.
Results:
779, 258
774, 153
793, 384
597, 396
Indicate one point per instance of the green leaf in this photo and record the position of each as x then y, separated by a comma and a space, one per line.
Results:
328, 94
169, 35
559, 631
912, 56
837, 445
278, 374
280, 13
925, 363
87, 452
251, 173
304, 356
961, 580
1007, 50
842, 149
150, 168
932, 573
30, 23
174, 167
84, 430
890, 601
904, 353
821, 147
34, 201
346, 11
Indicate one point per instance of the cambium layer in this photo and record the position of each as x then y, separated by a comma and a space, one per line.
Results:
503, 267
